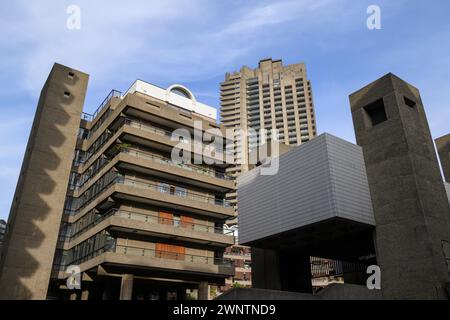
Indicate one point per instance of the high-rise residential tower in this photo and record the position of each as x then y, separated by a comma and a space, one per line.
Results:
102, 193
272, 96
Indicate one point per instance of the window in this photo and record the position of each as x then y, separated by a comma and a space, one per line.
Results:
410, 103
71, 75
176, 220
163, 188
181, 192
66, 94
376, 112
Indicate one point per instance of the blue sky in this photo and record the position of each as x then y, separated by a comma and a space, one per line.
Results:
195, 42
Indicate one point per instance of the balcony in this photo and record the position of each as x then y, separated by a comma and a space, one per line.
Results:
112, 94
152, 224
166, 161
114, 184
165, 133
161, 188
129, 256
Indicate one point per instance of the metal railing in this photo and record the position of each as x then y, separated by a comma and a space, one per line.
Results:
167, 133
167, 255
190, 167
87, 116
163, 188
150, 253
148, 218
112, 94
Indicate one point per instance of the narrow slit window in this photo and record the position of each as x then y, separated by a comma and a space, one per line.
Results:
71, 75
410, 103
66, 94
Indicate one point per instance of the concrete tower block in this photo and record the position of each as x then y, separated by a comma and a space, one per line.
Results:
410, 205
38, 203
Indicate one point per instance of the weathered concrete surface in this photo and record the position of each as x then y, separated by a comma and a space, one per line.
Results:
333, 292
410, 204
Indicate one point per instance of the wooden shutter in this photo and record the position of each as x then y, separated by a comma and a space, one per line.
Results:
165, 217
187, 222
169, 251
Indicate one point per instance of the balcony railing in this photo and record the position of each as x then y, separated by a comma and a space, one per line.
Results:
166, 133
126, 214
86, 116
163, 188
193, 168
112, 94
150, 253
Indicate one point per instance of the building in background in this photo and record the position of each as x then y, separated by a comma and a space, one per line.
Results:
101, 192
271, 96
242, 259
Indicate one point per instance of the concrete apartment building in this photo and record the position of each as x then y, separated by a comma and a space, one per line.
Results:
271, 96
242, 259
101, 192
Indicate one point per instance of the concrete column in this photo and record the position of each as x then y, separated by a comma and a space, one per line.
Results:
85, 294
126, 288
203, 290
74, 296
265, 269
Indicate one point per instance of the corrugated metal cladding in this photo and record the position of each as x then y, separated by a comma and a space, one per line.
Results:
318, 180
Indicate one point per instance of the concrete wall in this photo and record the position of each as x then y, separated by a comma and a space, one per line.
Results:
410, 203
37, 207
332, 292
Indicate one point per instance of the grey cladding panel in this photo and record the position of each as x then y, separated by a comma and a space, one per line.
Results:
321, 179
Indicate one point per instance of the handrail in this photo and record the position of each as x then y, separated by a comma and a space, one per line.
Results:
163, 188
121, 249
190, 167
160, 188
163, 132
112, 94
159, 220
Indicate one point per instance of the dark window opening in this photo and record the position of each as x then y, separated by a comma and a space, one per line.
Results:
71, 75
409, 103
66, 94
376, 112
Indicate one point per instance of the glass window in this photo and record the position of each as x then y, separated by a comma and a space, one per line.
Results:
163, 187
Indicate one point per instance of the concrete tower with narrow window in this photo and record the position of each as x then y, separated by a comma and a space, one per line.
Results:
410, 205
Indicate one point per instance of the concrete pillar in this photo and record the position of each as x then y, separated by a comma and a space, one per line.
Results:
85, 294
126, 288
203, 290
410, 204
265, 269
73, 296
